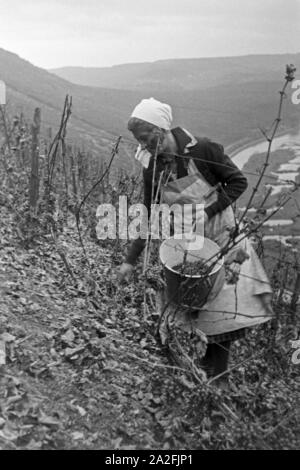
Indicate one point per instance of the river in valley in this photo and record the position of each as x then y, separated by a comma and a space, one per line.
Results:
286, 171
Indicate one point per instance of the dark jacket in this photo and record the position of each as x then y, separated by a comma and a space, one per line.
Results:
212, 163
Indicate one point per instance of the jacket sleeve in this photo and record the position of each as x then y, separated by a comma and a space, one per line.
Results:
138, 245
234, 183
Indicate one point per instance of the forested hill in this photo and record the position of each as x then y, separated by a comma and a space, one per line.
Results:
81, 362
93, 110
228, 106
181, 74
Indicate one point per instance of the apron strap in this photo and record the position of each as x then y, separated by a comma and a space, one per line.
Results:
181, 167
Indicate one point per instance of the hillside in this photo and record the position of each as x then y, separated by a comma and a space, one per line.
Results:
84, 370
81, 366
181, 74
225, 112
81, 363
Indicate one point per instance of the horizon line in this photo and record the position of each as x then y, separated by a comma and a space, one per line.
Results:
173, 59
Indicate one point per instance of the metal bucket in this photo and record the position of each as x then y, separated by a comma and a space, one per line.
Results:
191, 290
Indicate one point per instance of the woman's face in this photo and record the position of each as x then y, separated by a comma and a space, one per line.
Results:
153, 140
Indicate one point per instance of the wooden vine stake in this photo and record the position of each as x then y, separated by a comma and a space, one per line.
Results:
34, 175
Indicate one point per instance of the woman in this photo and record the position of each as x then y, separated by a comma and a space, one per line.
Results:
190, 163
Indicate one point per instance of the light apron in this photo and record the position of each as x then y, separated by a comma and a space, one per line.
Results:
236, 306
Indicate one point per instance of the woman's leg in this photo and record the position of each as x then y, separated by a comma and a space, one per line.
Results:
221, 357
207, 362
216, 358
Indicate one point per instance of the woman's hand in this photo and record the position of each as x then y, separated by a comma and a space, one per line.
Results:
232, 273
234, 260
124, 272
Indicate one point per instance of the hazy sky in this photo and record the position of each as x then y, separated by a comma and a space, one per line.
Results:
53, 33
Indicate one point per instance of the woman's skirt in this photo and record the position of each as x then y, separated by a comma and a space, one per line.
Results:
229, 313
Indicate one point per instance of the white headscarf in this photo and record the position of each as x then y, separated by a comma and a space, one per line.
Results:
153, 111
